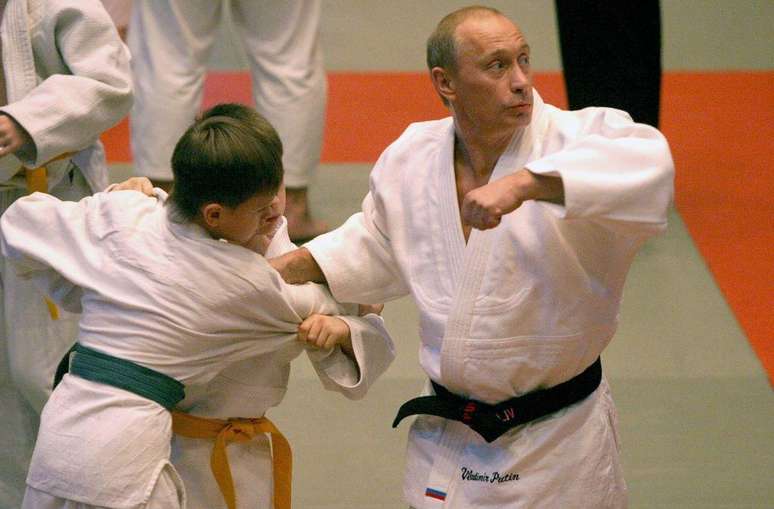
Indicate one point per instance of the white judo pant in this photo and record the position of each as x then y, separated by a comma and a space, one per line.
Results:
31, 346
170, 43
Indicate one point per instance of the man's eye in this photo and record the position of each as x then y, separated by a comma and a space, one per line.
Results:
497, 65
524, 60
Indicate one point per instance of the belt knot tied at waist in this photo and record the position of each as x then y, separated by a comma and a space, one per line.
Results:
239, 430
492, 421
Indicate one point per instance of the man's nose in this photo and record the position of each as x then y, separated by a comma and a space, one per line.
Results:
519, 79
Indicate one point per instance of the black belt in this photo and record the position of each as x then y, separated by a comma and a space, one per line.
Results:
491, 421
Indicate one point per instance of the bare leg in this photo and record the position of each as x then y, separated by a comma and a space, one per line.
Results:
301, 225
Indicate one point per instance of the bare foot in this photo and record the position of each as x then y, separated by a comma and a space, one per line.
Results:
301, 225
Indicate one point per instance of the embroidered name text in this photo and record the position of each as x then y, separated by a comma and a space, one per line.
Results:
494, 477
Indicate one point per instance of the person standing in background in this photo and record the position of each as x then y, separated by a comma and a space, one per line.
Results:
64, 79
611, 54
170, 44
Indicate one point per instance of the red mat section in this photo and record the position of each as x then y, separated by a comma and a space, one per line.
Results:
720, 127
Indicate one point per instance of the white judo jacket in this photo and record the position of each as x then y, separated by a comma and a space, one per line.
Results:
528, 304
165, 295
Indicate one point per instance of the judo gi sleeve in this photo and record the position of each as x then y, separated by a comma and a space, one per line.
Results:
374, 352
34, 239
357, 259
615, 172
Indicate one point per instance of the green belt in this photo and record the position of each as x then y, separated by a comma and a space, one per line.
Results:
100, 367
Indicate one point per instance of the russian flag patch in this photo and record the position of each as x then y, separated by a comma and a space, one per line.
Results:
438, 495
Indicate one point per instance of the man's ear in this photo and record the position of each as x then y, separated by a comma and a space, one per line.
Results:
212, 213
443, 83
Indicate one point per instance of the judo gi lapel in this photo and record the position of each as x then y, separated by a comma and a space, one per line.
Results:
18, 61
18, 67
470, 262
453, 240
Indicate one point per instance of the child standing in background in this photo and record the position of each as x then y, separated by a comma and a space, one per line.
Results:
64, 79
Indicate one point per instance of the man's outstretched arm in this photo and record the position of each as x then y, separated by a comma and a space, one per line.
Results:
297, 267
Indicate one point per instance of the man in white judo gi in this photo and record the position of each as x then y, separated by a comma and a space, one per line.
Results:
170, 43
64, 80
512, 224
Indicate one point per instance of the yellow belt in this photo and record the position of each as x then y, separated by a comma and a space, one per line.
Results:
239, 430
37, 180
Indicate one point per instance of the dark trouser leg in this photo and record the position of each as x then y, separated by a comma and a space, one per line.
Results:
611, 53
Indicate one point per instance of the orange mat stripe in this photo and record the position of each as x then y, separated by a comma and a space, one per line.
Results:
720, 126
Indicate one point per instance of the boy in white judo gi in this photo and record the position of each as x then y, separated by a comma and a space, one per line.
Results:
251, 386
64, 79
513, 225
172, 293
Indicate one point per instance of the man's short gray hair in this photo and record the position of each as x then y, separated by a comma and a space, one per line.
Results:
441, 45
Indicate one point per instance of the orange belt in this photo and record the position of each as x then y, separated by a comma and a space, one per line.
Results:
239, 430
37, 180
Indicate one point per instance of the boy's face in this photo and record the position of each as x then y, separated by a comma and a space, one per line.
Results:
258, 215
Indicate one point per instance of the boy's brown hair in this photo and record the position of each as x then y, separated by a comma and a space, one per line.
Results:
230, 154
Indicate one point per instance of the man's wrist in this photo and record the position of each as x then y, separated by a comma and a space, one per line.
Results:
533, 186
303, 267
